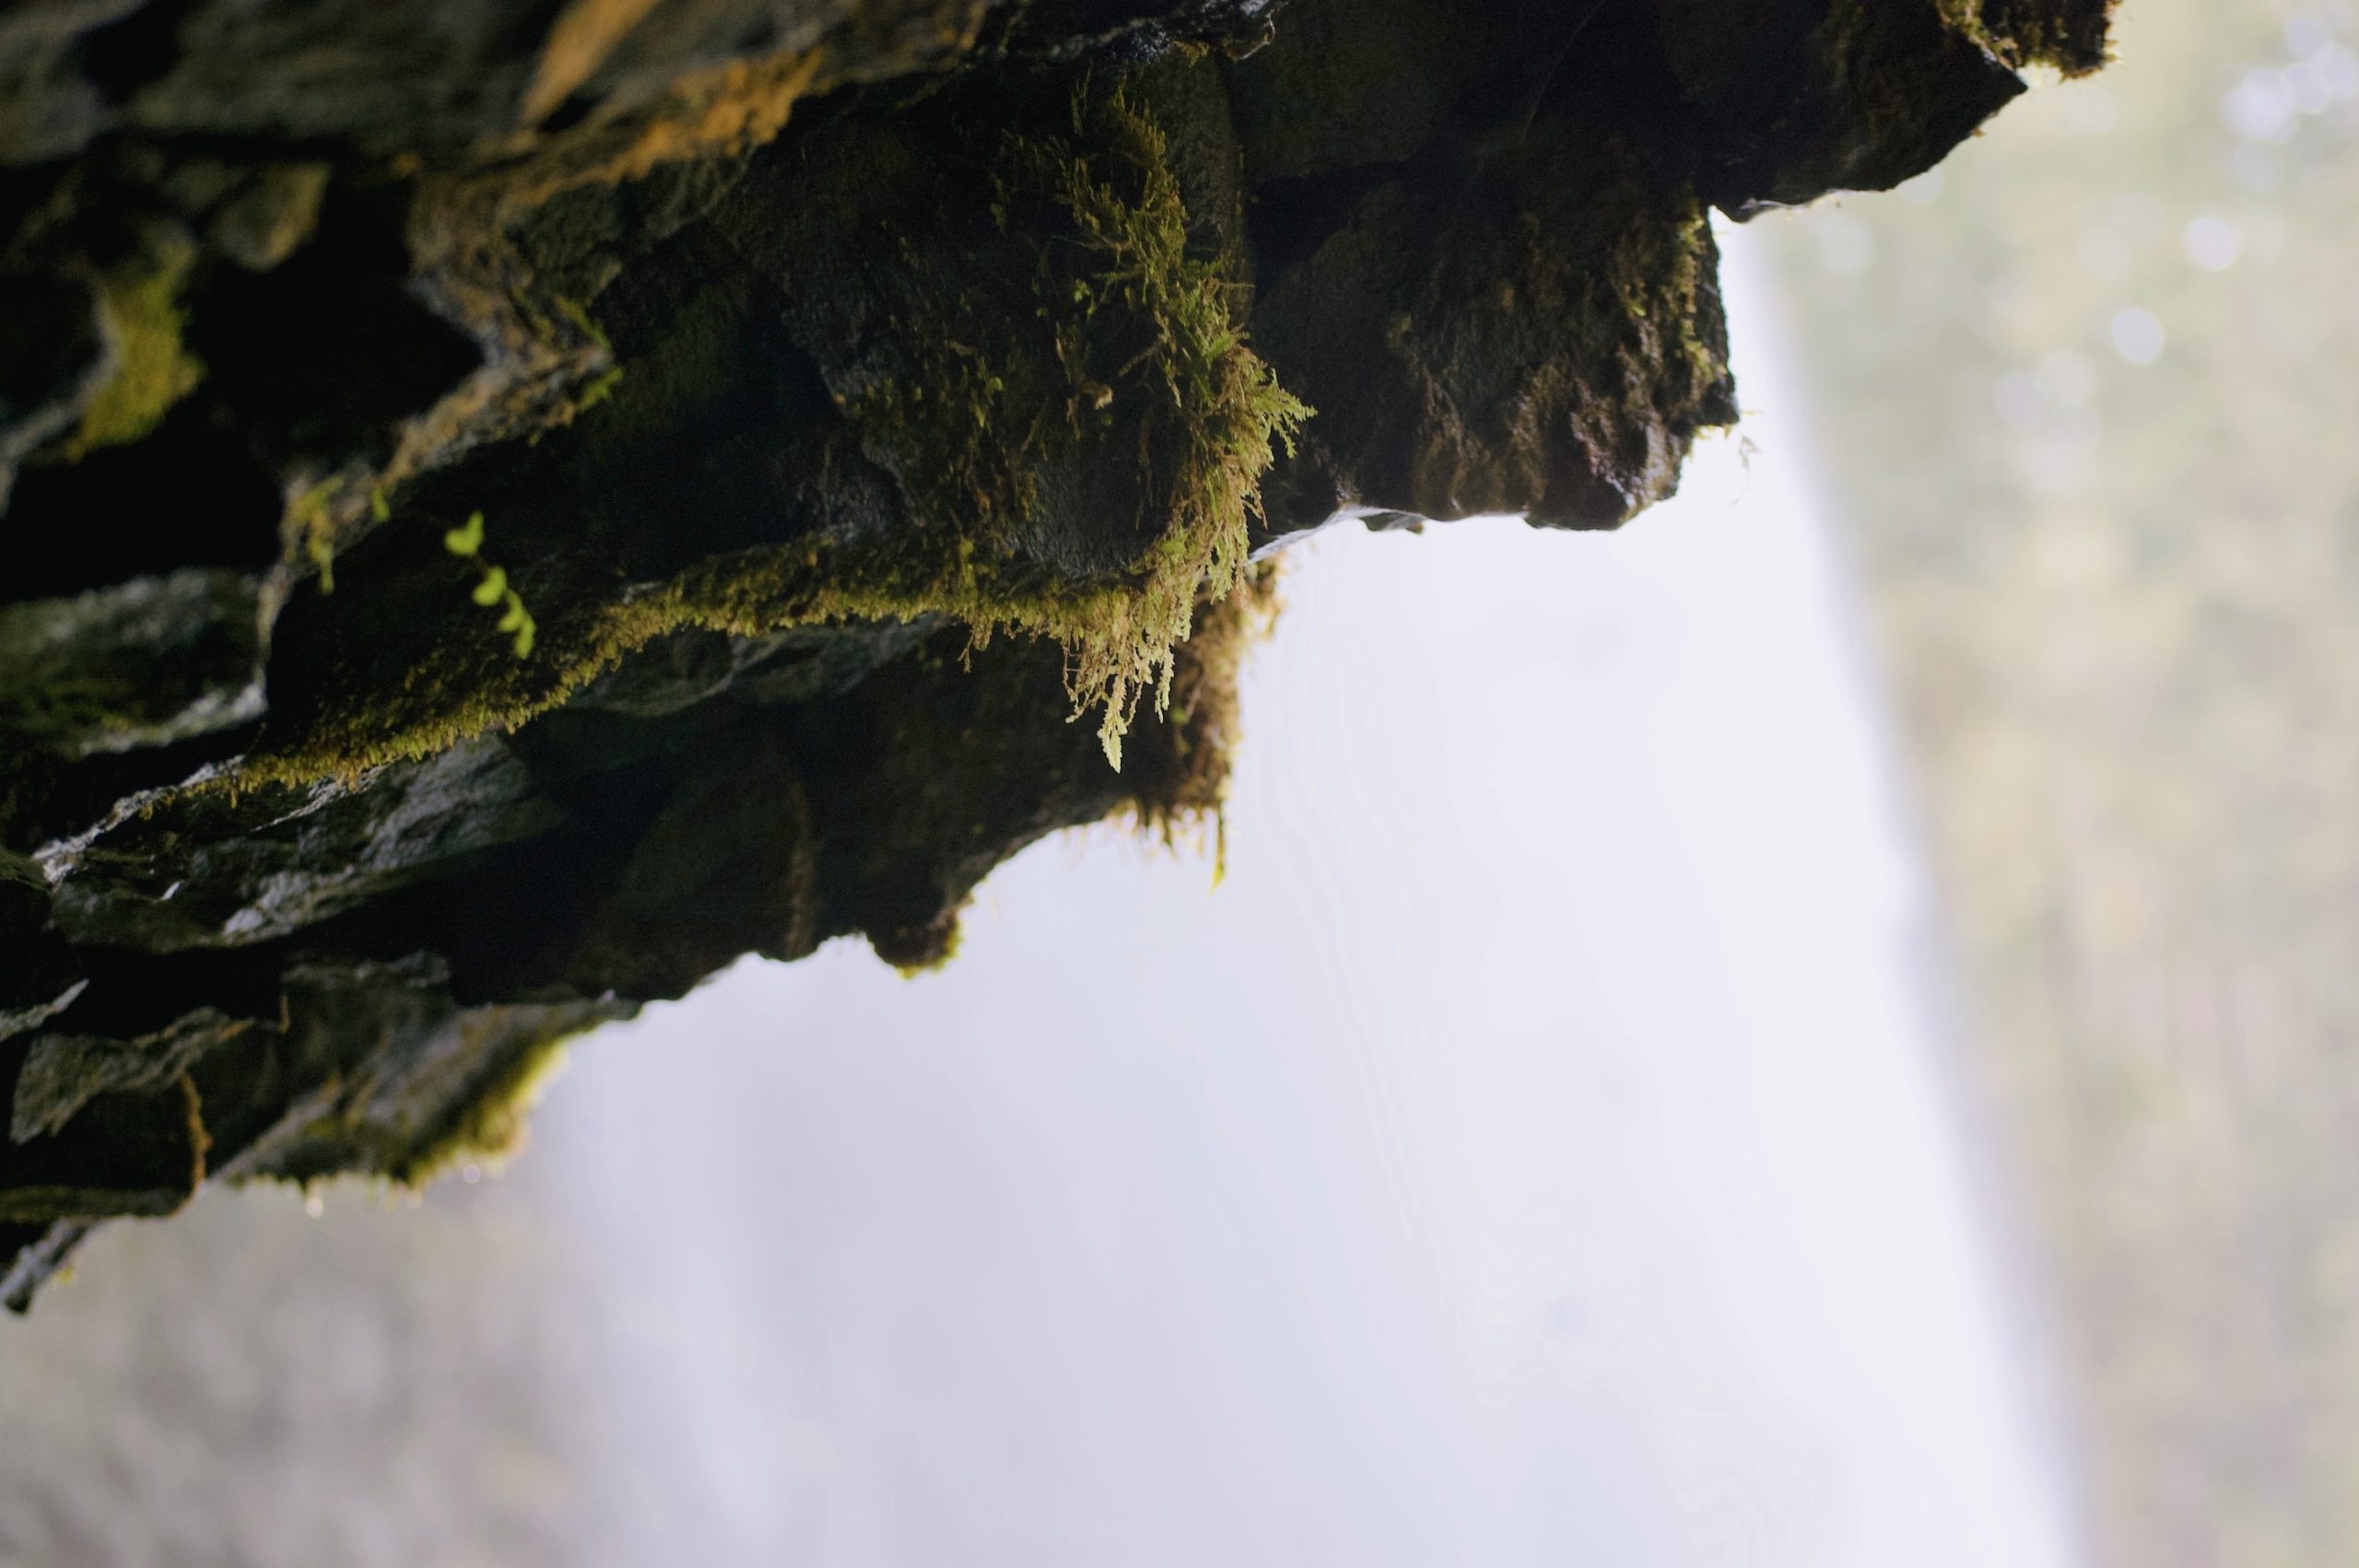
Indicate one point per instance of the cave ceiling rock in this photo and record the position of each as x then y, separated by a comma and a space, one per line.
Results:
518, 506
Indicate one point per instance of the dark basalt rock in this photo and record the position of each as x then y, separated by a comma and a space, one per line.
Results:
519, 506
1796, 99
203, 870
39, 974
62, 1073
51, 368
144, 663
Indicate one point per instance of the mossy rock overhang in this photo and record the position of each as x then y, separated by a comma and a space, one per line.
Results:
853, 393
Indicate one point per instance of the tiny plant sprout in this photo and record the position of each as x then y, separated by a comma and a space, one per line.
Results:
466, 542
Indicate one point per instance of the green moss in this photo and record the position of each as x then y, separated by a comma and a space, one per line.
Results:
598, 390
154, 369
490, 1126
1183, 786
938, 958
311, 521
470, 689
1664, 281
572, 311
508, 1057
1127, 333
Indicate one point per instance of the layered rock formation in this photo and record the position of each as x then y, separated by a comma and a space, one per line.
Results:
516, 506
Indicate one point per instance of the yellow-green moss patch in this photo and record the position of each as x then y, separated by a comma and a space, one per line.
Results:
154, 369
490, 1126
1124, 318
1128, 330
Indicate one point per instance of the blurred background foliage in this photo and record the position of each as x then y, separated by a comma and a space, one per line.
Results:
2087, 405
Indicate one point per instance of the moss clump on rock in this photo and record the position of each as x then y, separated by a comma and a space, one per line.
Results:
1128, 375
1181, 787
1133, 338
154, 369
487, 1124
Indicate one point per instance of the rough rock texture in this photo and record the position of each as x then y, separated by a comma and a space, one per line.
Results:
518, 505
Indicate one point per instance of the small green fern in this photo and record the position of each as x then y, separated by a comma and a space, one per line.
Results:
466, 542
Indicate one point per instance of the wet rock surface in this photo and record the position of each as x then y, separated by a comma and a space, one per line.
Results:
519, 505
